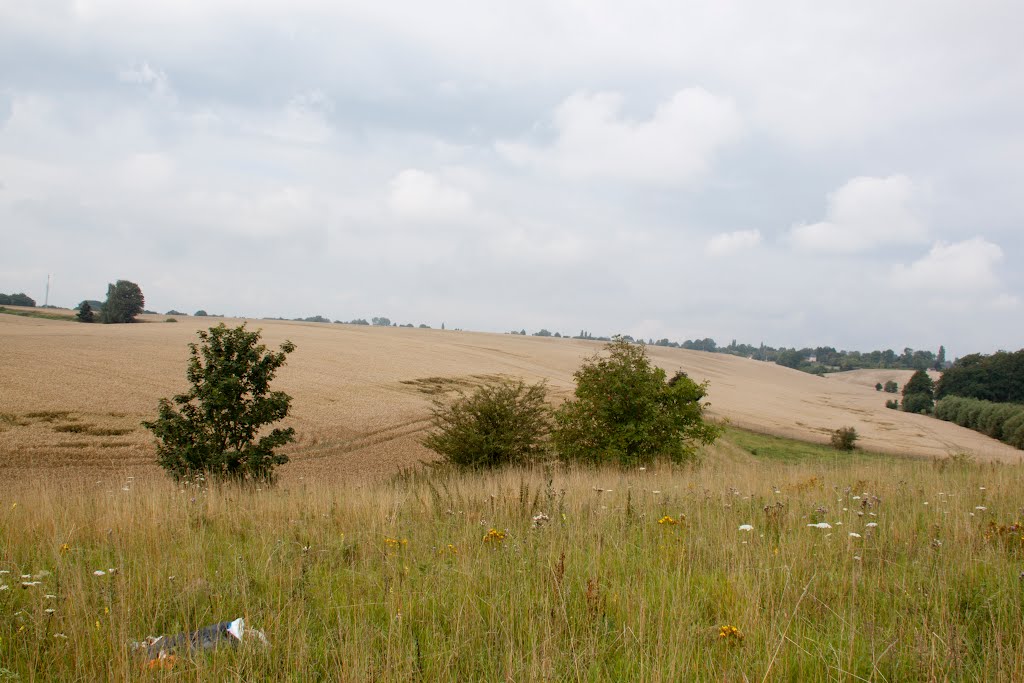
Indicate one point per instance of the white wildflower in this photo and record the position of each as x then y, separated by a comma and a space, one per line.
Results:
854, 534
871, 525
821, 525
982, 508
746, 527
99, 572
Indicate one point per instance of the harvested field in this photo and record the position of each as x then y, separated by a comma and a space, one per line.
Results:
72, 395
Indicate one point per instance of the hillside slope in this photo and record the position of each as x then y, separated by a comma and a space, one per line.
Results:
72, 395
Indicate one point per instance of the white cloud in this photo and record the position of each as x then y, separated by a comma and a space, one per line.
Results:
418, 195
730, 242
967, 266
674, 147
144, 74
864, 213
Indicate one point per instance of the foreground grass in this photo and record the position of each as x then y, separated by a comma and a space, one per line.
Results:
405, 580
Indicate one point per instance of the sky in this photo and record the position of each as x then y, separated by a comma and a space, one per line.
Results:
845, 174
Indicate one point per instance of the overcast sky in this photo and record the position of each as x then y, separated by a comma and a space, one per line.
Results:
797, 173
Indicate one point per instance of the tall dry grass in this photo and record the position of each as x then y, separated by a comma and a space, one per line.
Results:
588, 575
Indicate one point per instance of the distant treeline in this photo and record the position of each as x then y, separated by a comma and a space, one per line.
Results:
998, 378
19, 299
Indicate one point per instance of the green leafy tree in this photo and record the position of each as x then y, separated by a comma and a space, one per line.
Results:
891, 387
214, 428
124, 302
507, 423
624, 411
917, 393
85, 314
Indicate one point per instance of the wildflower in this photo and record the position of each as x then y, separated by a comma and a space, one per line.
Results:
540, 520
395, 542
50, 596
821, 525
857, 557
746, 527
60, 636
936, 543
668, 520
854, 534
49, 610
729, 632
30, 584
494, 536
4, 587
982, 508
64, 548
871, 525
99, 572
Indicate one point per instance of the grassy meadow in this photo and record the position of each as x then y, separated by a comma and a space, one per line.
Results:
533, 575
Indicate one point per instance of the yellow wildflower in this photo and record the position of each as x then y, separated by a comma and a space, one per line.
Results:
727, 632
668, 520
494, 536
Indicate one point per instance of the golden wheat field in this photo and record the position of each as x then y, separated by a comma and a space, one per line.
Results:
72, 396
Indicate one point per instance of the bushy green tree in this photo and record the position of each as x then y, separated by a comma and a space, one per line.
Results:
214, 428
85, 314
917, 403
124, 302
505, 423
625, 412
917, 393
891, 387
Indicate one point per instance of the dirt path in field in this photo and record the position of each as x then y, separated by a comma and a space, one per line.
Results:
72, 395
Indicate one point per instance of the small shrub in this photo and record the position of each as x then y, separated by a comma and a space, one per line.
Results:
892, 404
844, 438
505, 423
878, 386
891, 387
917, 403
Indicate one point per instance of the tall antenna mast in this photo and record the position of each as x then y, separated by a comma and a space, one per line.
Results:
46, 302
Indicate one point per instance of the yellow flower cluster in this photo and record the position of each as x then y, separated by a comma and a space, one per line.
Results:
668, 520
494, 536
395, 542
727, 632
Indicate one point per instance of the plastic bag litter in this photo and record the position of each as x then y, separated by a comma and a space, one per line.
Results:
161, 651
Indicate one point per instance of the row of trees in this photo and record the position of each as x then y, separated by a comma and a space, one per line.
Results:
1003, 421
19, 299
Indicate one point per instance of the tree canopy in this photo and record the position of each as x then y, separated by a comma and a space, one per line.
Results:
624, 411
124, 302
214, 427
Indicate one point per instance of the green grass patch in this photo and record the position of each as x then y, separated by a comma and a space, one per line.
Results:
37, 314
781, 449
544, 574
